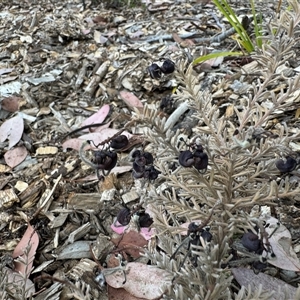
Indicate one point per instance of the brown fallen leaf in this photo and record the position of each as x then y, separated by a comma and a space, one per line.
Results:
131, 242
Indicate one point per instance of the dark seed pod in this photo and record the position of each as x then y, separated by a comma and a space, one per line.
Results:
200, 160
206, 235
151, 173
119, 142
287, 166
168, 66
167, 104
251, 241
193, 227
155, 71
149, 158
136, 153
137, 175
138, 168
141, 161
258, 266
186, 158
110, 160
145, 220
124, 216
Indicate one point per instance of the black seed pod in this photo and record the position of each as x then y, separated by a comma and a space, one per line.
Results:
124, 216
200, 160
141, 161
151, 173
119, 142
110, 160
137, 175
136, 153
145, 220
287, 166
193, 227
149, 158
168, 66
138, 168
206, 235
155, 71
186, 158
251, 241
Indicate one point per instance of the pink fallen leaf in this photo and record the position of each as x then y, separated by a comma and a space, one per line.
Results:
11, 103
25, 251
97, 117
15, 156
143, 281
275, 288
12, 130
130, 99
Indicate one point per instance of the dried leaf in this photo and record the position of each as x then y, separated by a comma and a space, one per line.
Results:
11, 103
12, 130
120, 294
269, 284
29, 242
130, 99
131, 242
98, 117
15, 156
281, 243
142, 280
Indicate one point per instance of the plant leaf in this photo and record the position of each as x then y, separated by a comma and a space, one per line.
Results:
12, 130
142, 280
29, 240
15, 156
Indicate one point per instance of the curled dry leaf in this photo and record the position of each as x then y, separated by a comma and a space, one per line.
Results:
130, 99
12, 130
97, 117
281, 243
280, 289
15, 156
142, 280
25, 251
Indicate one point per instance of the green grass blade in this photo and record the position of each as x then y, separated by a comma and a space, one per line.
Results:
230, 15
215, 55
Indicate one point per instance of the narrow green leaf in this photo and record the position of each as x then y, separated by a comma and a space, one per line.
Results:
215, 55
